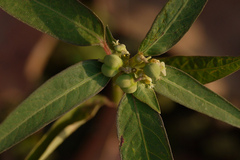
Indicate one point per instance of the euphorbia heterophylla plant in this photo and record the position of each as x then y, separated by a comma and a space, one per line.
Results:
141, 132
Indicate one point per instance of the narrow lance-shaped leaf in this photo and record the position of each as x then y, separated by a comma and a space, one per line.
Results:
109, 38
54, 98
65, 126
141, 131
148, 96
67, 20
173, 21
185, 90
205, 69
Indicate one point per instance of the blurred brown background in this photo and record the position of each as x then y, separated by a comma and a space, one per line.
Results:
28, 58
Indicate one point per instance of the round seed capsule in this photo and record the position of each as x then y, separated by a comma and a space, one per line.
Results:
108, 71
127, 83
111, 65
130, 89
113, 61
152, 70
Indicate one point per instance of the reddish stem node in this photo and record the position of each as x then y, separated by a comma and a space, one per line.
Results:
106, 48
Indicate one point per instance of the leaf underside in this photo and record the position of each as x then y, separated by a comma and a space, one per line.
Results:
185, 90
54, 98
67, 20
203, 68
141, 131
173, 21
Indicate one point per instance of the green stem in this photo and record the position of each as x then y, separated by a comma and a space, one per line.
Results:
117, 93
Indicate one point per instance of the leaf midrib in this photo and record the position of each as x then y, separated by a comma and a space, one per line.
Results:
194, 95
140, 127
167, 28
55, 99
70, 20
202, 69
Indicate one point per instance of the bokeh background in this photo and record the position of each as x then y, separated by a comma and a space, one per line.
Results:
29, 57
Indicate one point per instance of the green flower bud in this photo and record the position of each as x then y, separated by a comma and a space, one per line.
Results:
127, 83
120, 48
152, 70
111, 65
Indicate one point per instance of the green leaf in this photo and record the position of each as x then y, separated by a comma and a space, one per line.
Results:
109, 38
141, 131
170, 25
65, 126
67, 20
54, 98
185, 90
205, 69
148, 96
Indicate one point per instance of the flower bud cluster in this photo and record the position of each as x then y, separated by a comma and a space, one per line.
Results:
138, 69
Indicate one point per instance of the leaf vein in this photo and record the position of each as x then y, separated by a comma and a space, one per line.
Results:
166, 29
70, 20
51, 102
155, 135
194, 95
141, 130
